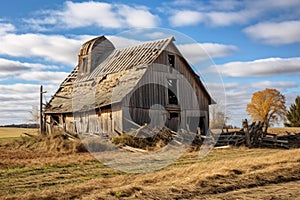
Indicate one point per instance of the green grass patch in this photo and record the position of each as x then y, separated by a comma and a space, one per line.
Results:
9, 139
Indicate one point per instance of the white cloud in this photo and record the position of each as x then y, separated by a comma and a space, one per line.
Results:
6, 28
221, 86
122, 42
98, 14
286, 32
19, 88
229, 18
13, 65
278, 84
17, 100
157, 35
137, 16
206, 5
45, 77
230, 12
261, 68
198, 52
10, 68
83, 14
186, 18
212, 18
54, 48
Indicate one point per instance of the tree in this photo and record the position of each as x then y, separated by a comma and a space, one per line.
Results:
267, 106
217, 116
34, 115
293, 115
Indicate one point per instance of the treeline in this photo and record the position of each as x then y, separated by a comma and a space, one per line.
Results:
21, 125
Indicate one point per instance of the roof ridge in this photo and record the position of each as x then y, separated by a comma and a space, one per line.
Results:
170, 39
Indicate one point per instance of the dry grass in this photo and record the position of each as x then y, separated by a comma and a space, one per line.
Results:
283, 131
38, 169
231, 172
45, 143
287, 190
8, 132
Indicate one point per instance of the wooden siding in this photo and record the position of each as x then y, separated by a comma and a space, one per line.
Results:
182, 67
152, 90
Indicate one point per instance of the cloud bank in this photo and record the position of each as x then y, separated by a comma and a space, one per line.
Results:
98, 14
261, 68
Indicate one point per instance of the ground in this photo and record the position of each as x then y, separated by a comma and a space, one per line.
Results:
10, 133
232, 173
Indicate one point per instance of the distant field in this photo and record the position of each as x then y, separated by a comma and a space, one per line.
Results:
278, 130
284, 130
8, 132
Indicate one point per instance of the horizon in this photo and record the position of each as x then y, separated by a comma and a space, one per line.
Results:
253, 44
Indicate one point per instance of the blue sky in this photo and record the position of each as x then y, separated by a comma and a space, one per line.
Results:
254, 44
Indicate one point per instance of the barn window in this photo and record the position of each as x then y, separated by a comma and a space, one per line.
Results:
55, 119
172, 91
173, 121
84, 65
171, 60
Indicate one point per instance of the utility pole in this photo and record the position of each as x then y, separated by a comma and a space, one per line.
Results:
42, 128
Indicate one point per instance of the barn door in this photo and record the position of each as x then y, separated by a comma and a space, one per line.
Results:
173, 121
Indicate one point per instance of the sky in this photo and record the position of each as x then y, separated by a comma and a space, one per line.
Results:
252, 45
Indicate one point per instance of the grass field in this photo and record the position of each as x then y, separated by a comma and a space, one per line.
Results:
233, 173
278, 130
8, 132
282, 131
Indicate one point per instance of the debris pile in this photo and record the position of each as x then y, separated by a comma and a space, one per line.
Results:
145, 139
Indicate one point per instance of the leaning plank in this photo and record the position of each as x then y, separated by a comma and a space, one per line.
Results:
118, 131
223, 147
275, 140
247, 134
28, 134
132, 122
132, 149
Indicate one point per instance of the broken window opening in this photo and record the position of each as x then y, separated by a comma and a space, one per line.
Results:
84, 65
171, 60
55, 119
172, 91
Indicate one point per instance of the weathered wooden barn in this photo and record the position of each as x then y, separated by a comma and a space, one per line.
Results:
113, 90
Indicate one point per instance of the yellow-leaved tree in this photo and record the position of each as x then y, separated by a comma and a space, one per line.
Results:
267, 106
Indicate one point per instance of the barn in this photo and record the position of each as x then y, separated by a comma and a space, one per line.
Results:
112, 90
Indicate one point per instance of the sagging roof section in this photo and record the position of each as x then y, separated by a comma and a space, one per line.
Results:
118, 63
126, 58
101, 91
